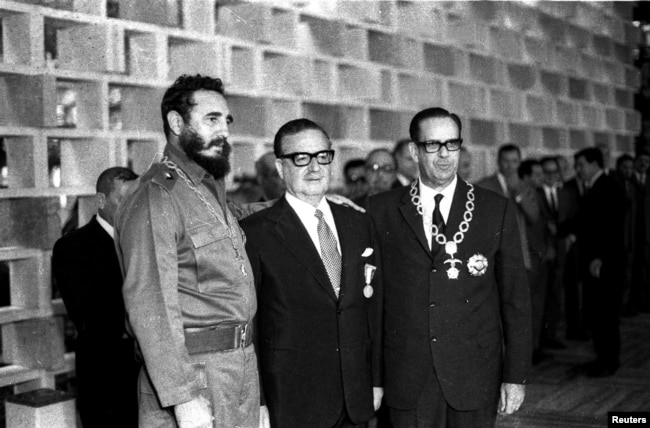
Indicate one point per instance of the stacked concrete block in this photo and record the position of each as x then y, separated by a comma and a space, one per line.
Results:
80, 91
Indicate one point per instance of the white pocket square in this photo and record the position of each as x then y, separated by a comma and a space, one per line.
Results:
367, 252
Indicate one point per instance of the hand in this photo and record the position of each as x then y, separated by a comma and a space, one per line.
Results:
342, 200
265, 419
594, 268
194, 414
377, 395
512, 395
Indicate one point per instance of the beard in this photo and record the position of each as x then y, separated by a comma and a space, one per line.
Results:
193, 144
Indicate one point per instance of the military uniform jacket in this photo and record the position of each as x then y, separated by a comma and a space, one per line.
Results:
183, 269
475, 331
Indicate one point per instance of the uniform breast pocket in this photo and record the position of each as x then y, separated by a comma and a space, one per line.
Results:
211, 245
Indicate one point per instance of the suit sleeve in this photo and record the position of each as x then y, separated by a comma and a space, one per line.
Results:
514, 298
68, 273
147, 230
376, 313
254, 259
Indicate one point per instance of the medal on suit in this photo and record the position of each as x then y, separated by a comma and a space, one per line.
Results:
368, 273
451, 247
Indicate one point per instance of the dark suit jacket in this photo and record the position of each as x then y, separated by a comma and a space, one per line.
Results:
457, 326
87, 273
599, 227
317, 354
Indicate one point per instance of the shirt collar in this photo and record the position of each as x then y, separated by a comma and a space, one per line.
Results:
105, 225
503, 183
595, 177
194, 171
427, 193
302, 208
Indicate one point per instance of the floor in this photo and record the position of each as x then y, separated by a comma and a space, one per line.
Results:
559, 396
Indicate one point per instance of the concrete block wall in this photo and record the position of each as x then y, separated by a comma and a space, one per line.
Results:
81, 82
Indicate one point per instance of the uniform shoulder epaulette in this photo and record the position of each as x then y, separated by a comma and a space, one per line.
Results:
164, 176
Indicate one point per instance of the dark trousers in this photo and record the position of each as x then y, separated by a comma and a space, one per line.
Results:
432, 411
573, 299
602, 305
345, 422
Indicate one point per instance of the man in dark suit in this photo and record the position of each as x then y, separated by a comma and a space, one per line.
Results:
601, 258
87, 273
319, 309
457, 322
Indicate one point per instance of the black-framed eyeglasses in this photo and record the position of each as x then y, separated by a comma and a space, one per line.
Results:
380, 168
324, 157
433, 146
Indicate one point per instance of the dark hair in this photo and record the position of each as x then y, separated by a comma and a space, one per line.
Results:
591, 155
526, 167
291, 128
106, 180
623, 158
352, 163
179, 97
508, 148
431, 113
401, 145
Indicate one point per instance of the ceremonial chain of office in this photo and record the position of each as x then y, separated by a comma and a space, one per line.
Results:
451, 247
171, 165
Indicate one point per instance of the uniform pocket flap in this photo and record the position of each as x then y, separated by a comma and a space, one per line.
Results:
204, 235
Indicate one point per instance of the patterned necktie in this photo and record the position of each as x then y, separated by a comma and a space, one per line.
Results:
329, 252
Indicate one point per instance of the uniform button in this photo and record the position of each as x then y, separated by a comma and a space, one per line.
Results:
434, 339
432, 304
434, 270
466, 300
338, 349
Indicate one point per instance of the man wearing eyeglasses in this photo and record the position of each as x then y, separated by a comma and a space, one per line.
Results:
319, 306
380, 173
457, 322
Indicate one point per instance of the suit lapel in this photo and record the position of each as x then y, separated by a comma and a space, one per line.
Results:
291, 234
457, 209
346, 234
414, 220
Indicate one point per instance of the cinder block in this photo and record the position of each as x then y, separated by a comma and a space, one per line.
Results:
419, 92
623, 53
590, 67
552, 83
567, 113
554, 29
186, 56
623, 9
321, 36
579, 89
522, 77
624, 98
602, 93
421, 18
41, 408
439, 59
633, 121
321, 84
564, 59
247, 112
386, 125
35, 343
239, 61
355, 43
390, 49
577, 38
553, 138
614, 118
601, 45
27, 100
484, 133
614, 72
505, 43
285, 74
592, 117
524, 135
359, 83
577, 139
633, 35
538, 51
538, 109
506, 104
632, 77
624, 143
483, 68
604, 138
466, 99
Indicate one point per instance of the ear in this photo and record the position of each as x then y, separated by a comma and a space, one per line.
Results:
413, 150
278, 167
101, 201
176, 122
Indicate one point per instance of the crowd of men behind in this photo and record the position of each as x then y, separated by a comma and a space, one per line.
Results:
286, 309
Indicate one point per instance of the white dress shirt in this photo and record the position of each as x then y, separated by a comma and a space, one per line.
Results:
427, 195
104, 224
307, 215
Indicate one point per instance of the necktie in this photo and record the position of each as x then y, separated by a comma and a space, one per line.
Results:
437, 218
329, 252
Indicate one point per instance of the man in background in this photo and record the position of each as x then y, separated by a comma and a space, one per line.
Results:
407, 168
87, 273
268, 179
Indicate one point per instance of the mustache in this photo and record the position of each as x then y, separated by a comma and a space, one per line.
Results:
219, 142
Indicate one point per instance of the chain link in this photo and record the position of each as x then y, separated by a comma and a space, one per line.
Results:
171, 165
